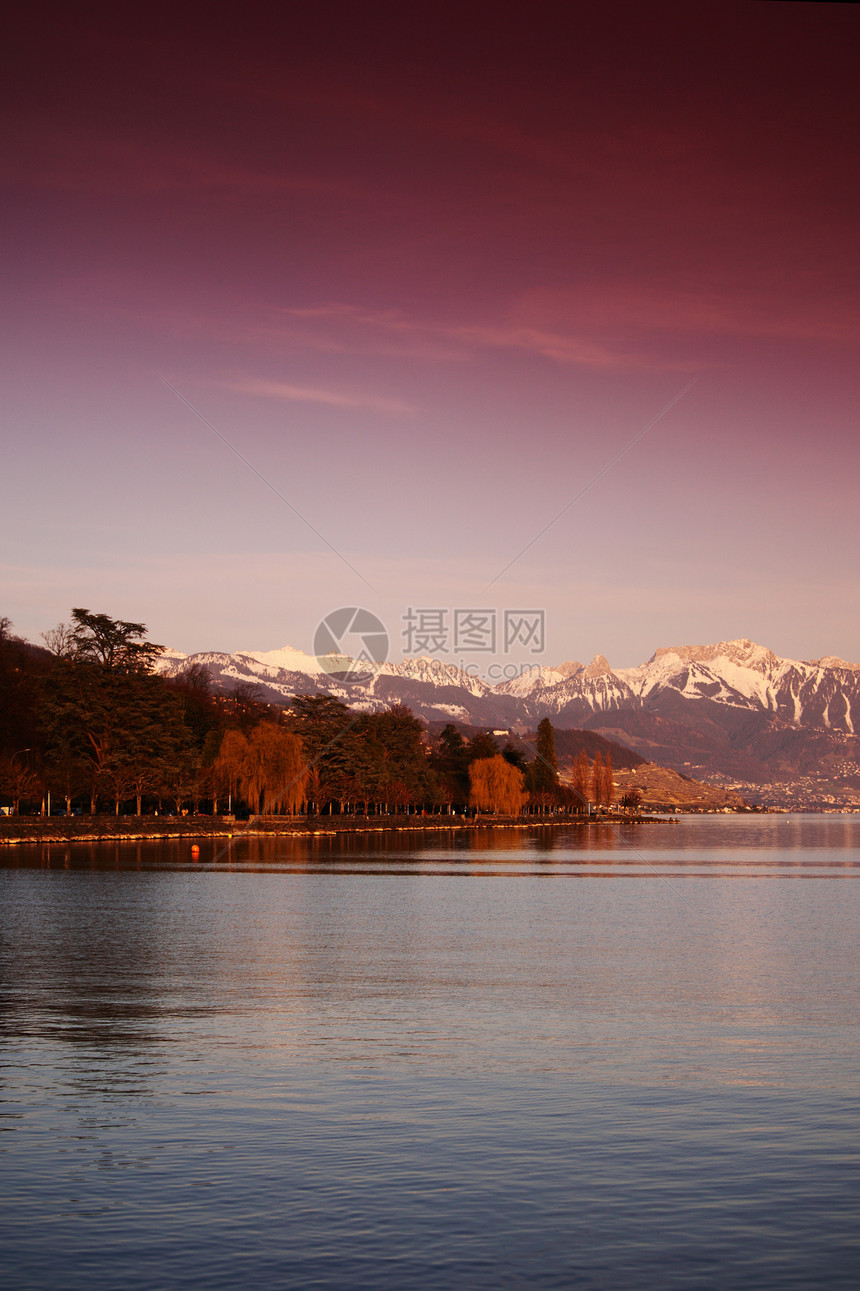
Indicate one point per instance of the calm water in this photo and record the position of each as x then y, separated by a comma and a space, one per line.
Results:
507, 1059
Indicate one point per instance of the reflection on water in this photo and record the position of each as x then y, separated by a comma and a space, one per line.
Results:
331, 1062
717, 847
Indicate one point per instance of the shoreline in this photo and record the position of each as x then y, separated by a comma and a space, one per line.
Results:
105, 829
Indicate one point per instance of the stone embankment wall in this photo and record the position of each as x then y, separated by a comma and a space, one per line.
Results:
89, 829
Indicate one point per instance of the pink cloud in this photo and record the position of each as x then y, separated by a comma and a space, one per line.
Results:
794, 310
352, 325
314, 394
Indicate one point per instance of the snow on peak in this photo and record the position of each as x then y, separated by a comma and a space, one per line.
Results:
286, 658
567, 669
832, 661
531, 679
169, 655
437, 672
599, 667
740, 651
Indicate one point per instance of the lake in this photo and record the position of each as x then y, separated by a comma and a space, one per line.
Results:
554, 1057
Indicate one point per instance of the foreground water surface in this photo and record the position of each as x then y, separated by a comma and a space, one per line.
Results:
544, 1058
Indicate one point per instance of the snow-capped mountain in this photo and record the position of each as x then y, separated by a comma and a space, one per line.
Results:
740, 674
279, 674
733, 708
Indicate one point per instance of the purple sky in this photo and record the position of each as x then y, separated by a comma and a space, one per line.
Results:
428, 275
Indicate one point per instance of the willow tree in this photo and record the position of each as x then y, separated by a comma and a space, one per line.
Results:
230, 761
274, 772
497, 786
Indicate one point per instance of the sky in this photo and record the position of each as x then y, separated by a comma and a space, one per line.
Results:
425, 308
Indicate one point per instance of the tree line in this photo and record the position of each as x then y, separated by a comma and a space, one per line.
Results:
87, 720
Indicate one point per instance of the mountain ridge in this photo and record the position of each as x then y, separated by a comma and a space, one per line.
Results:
732, 710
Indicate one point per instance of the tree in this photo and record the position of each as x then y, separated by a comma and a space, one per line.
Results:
514, 755
328, 732
496, 786
596, 780
275, 771
60, 641
101, 704
201, 713
21, 669
482, 745
607, 788
542, 774
546, 771
244, 705
230, 762
66, 772
154, 742
394, 743
631, 801
180, 776
450, 764
601, 781
580, 780
17, 780
267, 767
113, 643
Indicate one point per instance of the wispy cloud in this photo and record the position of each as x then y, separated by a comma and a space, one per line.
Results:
608, 326
349, 327
799, 309
314, 394
613, 327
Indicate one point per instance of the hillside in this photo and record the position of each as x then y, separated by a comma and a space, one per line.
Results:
733, 713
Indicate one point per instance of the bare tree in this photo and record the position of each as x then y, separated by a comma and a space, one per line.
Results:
18, 781
608, 787
60, 641
579, 783
597, 780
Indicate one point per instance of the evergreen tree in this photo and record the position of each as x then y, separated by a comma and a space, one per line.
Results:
101, 706
544, 773
395, 740
113, 643
481, 745
515, 756
450, 763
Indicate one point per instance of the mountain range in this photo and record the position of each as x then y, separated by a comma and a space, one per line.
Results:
733, 712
